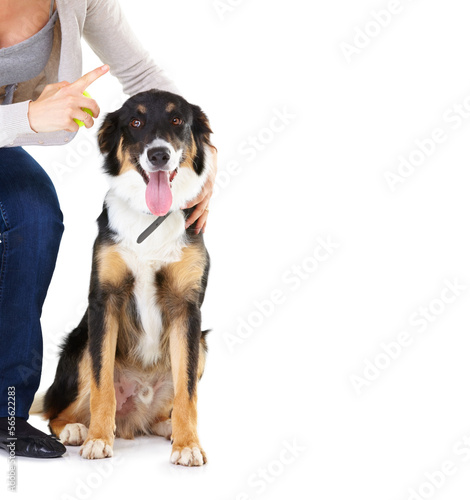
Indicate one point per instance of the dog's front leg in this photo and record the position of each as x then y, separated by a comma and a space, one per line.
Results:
102, 345
185, 337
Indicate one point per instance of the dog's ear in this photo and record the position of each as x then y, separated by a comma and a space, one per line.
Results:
201, 126
108, 136
201, 132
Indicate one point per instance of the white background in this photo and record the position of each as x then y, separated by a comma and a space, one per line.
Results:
322, 176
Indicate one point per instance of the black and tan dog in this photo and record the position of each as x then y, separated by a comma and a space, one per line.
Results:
132, 365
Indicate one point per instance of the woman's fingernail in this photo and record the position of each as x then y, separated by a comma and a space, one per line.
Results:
105, 67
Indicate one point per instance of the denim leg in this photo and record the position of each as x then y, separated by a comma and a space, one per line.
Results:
30, 232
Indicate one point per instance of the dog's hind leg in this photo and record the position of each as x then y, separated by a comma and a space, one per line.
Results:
162, 427
69, 432
70, 424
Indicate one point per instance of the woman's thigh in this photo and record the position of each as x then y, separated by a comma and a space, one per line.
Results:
27, 194
31, 229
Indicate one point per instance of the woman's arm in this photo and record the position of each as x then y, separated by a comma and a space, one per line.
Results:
14, 121
201, 212
111, 38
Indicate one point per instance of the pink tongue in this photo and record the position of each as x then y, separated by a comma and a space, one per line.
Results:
158, 193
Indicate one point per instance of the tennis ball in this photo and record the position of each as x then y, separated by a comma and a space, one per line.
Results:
79, 122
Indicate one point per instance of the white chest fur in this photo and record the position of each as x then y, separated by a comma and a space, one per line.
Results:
145, 295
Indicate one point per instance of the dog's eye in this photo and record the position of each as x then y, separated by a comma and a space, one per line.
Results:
177, 121
136, 123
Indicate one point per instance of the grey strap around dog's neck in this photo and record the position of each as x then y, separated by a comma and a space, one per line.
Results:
152, 228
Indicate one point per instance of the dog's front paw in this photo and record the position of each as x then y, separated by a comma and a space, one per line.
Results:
73, 434
188, 455
96, 448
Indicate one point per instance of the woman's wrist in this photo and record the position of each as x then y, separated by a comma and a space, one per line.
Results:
31, 103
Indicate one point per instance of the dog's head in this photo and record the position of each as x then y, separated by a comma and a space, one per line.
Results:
155, 149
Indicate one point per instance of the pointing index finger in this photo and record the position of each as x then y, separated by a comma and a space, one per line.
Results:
88, 78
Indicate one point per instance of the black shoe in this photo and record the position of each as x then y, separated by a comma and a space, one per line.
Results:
29, 442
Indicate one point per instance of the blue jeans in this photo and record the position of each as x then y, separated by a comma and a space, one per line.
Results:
30, 232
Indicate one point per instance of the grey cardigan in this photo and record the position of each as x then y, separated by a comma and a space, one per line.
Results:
103, 26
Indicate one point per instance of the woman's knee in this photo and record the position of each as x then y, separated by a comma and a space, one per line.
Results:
47, 219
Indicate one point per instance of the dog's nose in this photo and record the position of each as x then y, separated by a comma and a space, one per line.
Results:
158, 156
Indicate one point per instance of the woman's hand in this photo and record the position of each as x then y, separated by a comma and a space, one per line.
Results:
59, 103
201, 212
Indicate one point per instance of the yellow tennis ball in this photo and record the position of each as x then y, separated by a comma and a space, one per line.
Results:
79, 122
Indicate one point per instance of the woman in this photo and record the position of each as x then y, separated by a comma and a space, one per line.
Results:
41, 92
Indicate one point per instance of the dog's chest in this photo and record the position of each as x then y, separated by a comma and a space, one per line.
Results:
148, 310
144, 261
145, 295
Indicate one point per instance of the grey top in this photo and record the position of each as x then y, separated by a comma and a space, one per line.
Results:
26, 60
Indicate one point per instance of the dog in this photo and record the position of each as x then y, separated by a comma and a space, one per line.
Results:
132, 365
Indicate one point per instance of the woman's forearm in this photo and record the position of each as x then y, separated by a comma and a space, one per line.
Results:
109, 35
